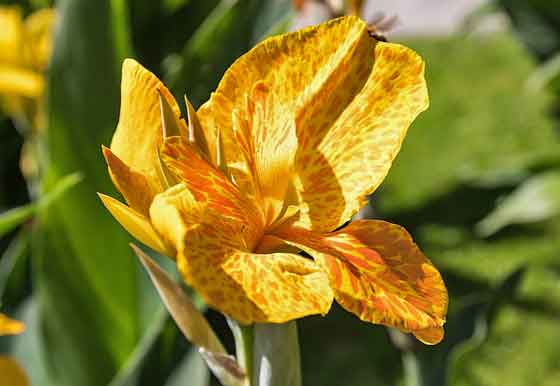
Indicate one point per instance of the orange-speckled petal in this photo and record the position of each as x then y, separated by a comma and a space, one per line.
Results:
287, 64
350, 131
337, 104
256, 102
11, 373
133, 185
139, 133
208, 185
379, 274
9, 326
213, 257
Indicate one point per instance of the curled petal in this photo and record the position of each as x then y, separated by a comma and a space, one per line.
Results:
137, 225
351, 129
139, 133
379, 274
134, 186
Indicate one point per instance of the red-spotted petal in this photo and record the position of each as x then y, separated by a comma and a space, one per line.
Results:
379, 274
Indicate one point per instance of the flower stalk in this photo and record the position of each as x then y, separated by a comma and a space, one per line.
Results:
276, 357
243, 337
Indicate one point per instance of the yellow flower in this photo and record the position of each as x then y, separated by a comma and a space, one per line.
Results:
298, 132
9, 326
11, 372
25, 48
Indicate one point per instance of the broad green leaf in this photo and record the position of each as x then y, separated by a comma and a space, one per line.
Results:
537, 199
547, 75
274, 16
482, 127
192, 370
10, 219
521, 346
236, 25
130, 373
537, 23
13, 268
28, 348
86, 278
490, 261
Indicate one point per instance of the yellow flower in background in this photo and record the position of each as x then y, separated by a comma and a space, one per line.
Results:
299, 131
11, 373
25, 48
9, 326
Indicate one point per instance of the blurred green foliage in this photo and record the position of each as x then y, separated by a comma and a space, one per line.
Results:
476, 183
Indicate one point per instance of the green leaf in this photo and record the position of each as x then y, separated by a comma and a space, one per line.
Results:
10, 219
13, 264
192, 370
537, 199
489, 261
459, 140
537, 24
130, 373
547, 75
28, 348
86, 278
236, 25
521, 344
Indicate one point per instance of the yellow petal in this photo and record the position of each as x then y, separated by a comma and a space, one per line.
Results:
139, 132
10, 35
283, 286
133, 185
287, 64
379, 274
324, 109
212, 236
211, 188
345, 153
11, 373
9, 326
262, 91
38, 35
137, 225
21, 82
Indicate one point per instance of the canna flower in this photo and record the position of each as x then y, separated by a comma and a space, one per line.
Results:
25, 48
299, 131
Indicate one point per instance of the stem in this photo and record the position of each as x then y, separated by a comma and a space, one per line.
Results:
244, 337
276, 360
